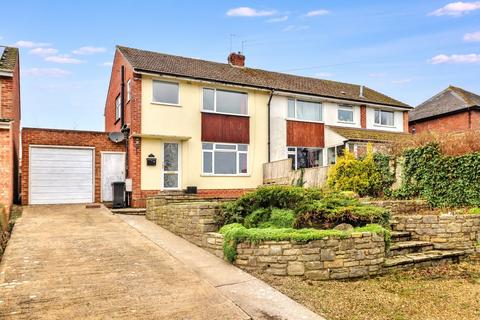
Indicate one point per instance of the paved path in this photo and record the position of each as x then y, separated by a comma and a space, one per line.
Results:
254, 296
68, 262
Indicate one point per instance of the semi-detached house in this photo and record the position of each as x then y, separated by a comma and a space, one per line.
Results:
212, 126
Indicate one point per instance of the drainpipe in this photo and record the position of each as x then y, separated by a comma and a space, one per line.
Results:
469, 118
269, 113
122, 95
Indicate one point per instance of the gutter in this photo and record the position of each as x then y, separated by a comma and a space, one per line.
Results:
268, 126
266, 89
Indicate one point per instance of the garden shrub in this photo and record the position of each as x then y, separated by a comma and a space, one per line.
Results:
475, 210
367, 176
236, 233
279, 218
267, 197
335, 209
444, 181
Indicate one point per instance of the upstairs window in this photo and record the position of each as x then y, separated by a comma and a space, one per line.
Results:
165, 92
223, 101
129, 90
225, 159
305, 110
384, 118
118, 108
345, 114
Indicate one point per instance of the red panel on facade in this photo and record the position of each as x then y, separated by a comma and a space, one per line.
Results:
305, 134
225, 128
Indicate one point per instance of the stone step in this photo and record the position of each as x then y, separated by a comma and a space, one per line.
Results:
131, 211
405, 247
400, 235
424, 259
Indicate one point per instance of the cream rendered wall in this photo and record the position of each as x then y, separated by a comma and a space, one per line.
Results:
184, 120
330, 114
278, 128
397, 120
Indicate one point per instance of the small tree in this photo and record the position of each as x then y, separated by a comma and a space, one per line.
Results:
359, 175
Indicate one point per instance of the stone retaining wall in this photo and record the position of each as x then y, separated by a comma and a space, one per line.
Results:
400, 207
444, 231
361, 254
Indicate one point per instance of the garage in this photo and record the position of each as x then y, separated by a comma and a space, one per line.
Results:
61, 175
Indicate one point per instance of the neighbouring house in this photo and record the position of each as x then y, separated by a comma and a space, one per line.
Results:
453, 109
9, 125
211, 126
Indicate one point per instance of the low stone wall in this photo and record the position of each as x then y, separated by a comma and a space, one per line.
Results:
400, 207
186, 217
444, 231
361, 254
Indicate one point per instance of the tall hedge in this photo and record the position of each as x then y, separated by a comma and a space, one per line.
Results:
442, 180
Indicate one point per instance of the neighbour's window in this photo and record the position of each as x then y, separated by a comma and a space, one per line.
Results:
225, 159
118, 108
223, 101
129, 90
305, 157
305, 110
165, 92
384, 118
345, 113
334, 152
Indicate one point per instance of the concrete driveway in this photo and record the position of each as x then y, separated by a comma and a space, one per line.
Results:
66, 262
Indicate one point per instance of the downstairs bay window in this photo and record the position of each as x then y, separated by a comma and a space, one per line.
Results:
305, 157
224, 159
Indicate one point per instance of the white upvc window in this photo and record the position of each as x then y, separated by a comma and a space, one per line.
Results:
165, 92
384, 118
129, 90
345, 114
334, 152
305, 110
224, 101
224, 159
118, 108
305, 157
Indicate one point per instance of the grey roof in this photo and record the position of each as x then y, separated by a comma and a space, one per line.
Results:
358, 134
161, 63
452, 99
8, 59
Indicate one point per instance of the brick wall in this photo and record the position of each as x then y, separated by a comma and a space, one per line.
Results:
6, 168
449, 123
363, 117
405, 121
53, 137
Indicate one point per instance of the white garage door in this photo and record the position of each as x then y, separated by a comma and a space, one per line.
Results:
61, 175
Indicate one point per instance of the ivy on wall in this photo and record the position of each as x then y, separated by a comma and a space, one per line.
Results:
442, 180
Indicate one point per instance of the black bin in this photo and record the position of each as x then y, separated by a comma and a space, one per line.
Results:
118, 194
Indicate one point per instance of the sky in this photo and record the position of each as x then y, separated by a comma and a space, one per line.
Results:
409, 50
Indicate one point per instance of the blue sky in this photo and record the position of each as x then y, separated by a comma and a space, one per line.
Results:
409, 50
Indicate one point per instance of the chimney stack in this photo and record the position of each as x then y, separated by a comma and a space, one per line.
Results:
236, 59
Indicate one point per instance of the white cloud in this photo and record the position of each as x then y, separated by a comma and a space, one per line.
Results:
279, 19
43, 51
316, 13
455, 58
456, 9
249, 12
295, 28
30, 44
49, 72
402, 81
107, 64
472, 37
323, 74
88, 50
64, 59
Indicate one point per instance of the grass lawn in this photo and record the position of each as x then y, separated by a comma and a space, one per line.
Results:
444, 292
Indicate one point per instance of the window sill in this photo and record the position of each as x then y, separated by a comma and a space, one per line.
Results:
224, 175
383, 126
346, 122
166, 104
310, 121
226, 114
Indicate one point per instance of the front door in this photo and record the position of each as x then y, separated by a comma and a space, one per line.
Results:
171, 165
113, 169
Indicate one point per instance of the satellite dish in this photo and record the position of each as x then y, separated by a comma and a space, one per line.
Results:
116, 137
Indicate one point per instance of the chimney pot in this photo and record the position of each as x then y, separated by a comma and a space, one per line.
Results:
236, 59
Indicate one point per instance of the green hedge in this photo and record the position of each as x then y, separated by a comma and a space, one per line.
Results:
443, 181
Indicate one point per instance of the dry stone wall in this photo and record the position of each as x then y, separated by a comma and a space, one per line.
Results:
444, 231
401, 207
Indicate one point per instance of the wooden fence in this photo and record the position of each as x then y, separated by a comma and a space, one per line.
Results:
280, 173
